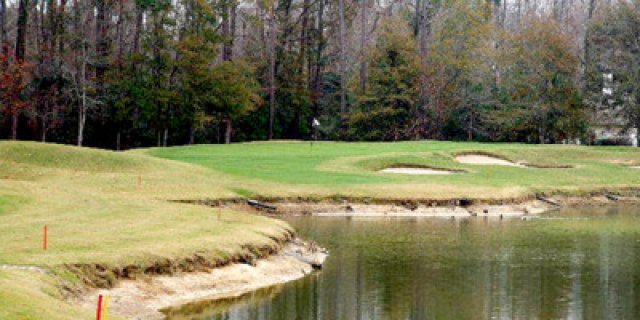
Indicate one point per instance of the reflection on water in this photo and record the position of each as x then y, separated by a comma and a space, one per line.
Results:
473, 268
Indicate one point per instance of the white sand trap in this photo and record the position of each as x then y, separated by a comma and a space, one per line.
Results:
635, 167
415, 171
486, 160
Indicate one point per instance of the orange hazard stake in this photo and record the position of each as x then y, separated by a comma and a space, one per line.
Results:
99, 308
45, 237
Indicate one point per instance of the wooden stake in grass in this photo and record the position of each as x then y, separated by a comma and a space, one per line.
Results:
45, 237
99, 308
139, 182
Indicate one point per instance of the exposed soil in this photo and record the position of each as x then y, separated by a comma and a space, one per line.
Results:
144, 297
107, 276
457, 207
417, 209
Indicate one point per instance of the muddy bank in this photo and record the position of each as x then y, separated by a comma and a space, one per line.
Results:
457, 207
146, 296
107, 276
418, 210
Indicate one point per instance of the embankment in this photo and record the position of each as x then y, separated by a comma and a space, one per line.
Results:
142, 294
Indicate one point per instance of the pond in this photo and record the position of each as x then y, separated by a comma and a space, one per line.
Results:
580, 263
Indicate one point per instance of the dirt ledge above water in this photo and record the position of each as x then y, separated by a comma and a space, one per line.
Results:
145, 296
533, 204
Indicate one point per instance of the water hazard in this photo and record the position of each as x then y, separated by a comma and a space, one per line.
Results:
575, 264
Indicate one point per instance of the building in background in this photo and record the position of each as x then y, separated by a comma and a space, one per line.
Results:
609, 124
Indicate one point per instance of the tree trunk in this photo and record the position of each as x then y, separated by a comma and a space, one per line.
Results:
304, 81
52, 17
226, 32
416, 20
518, 13
166, 137
21, 34
586, 45
234, 14
120, 33
541, 130
317, 70
43, 124
14, 124
62, 18
228, 28
101, 44
363, 44
4, 42
423, 24
138, 29
118, 137
82, 108
228, 131
81, 121
44, 135
191, 135
423, 28
342, 67
304, 35
43, 40
272, 69
470, 129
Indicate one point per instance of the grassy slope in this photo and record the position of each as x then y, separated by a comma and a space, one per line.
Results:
96, 214
348, 169
26, 295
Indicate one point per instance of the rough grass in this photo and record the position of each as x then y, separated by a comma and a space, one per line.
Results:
96, 214
29, 295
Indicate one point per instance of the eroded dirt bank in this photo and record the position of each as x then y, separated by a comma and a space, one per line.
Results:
146, 296
455, 207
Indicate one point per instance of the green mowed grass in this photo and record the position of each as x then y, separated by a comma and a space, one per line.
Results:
97, 213
350, 169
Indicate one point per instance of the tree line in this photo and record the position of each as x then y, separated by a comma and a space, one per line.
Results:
131, 73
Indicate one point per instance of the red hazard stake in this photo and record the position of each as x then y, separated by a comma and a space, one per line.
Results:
45, 237
99, 309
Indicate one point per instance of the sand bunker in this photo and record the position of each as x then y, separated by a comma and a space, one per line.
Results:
486, 160
415, 171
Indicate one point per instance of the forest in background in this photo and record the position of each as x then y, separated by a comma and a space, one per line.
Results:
121, 74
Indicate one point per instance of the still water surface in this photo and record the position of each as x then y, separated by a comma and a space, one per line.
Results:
574, 264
